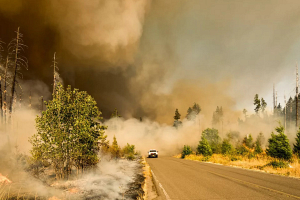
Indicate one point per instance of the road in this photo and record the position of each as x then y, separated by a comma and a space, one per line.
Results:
180, 179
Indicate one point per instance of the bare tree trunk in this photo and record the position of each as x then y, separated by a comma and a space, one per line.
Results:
1, 105
13, 87
5, 91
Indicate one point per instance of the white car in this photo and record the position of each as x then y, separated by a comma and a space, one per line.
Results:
152, 153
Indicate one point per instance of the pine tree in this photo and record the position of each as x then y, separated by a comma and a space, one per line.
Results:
248, 141
115, 114
204, 147
187, 150
213, 139
193, 111
296, 149
226, 147
176, 119
257, 103
115, 149
258, 148
279, 146
217, 117
263, 105
259, 142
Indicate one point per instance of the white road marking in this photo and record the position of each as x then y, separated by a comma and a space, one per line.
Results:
160, 185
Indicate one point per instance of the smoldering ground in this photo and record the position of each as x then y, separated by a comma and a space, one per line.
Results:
109, 180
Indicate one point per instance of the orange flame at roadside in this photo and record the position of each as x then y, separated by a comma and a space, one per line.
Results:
4, 180
53, 198
73, 190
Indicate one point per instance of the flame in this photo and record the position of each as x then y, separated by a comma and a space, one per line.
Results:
73, 190
54, 198
5, 180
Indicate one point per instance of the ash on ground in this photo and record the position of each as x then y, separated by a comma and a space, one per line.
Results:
114, 179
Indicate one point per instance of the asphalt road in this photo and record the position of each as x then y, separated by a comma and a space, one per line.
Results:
185, 179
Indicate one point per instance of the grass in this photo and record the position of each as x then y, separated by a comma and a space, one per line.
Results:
260, 162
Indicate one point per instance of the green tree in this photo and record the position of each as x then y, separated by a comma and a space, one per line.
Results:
217, 117
259, 142
279, 145
257, 103
248, 141
213, 139
115, 114
187, 150
68, 132
296, 149
129, 151
258, 148
263, 105
203, 147
115, 149
176, 119
193, 111
227, 148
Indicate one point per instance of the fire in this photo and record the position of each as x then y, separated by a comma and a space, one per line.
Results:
73, 190
4, 180
54, 198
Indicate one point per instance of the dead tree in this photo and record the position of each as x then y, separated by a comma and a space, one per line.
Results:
55, 74
5, 89
1, 106
15, 48
1, 101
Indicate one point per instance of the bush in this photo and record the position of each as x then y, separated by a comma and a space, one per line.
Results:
213, 139
204, 148
248, 141
226, 147
278, 164
186, 151
130, 156
128, 149
258, 148
279, 145
241, 150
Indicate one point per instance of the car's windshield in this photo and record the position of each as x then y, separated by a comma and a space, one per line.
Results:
152, 150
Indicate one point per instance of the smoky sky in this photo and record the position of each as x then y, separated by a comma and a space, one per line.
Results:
147, 58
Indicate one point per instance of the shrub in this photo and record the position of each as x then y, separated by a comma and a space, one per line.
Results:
128, 149
258, 148
241, 150
278, 164
204, 148
128, 152
130, 156
248, 141
213, 139
186, 151
279, 145
226, 147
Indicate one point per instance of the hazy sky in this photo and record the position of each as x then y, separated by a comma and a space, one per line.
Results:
148, 58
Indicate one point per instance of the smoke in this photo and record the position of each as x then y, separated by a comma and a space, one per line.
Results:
127, 53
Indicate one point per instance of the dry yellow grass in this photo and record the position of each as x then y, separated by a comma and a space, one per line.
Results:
259, 162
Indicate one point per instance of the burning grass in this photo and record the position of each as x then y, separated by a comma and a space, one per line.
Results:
260, 162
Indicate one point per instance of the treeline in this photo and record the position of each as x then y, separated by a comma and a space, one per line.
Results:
231, 145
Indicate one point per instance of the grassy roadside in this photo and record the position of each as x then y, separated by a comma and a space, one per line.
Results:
259, 162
